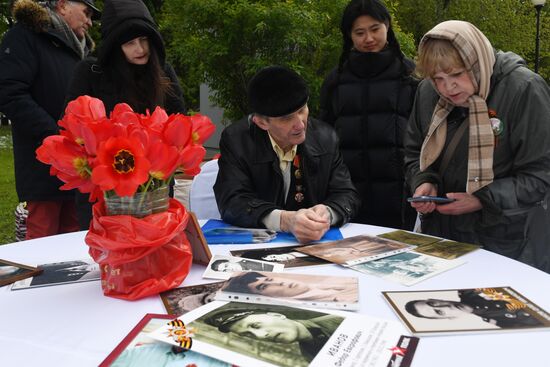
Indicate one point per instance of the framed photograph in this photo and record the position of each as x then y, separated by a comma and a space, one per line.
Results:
65, 272
179, 301
466, 311
356, 250
201, 252
262, 335
292, 289
407, 268
138, 347
222, 266
289, 256
11, 272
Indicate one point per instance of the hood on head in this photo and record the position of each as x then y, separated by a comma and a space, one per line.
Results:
121, 19
31, 14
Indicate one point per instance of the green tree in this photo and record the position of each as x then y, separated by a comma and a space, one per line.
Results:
5, 16
508, 24
224, 42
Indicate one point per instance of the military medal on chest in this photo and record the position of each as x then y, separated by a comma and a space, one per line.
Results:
299, 196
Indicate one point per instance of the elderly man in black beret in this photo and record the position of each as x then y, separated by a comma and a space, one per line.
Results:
280, 169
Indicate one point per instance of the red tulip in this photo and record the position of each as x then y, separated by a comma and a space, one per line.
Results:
203, 128
68, 160
164, 160
191, 158
121, 166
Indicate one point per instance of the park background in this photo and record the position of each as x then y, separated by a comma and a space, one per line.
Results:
217, 45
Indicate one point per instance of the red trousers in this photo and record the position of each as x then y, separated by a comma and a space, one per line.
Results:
47, 218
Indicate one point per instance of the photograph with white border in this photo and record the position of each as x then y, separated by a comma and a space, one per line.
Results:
471, 310
407, 268
292, 289
271, 335
356, 250
222, 266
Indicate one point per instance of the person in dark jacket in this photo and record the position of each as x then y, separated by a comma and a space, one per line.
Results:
37, 57
130, 68
279, 169
480, 134
368, 98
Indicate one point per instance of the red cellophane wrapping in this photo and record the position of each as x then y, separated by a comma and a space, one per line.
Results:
140, 257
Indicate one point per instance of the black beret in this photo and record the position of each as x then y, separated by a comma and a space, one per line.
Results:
277, 91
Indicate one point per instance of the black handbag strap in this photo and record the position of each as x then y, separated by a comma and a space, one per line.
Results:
452, 146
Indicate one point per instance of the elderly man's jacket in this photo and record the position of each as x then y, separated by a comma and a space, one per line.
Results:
250, 183
36, 64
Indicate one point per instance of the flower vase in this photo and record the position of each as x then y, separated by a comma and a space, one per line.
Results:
138, 205
159, 199
143, 256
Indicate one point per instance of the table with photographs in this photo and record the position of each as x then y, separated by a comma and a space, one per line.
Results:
75, 325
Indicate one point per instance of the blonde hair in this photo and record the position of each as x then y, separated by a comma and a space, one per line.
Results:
435, 55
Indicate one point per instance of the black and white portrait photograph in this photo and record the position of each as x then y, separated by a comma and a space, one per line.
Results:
179, 301
291, 288
289, 256
221, 266
284, 336
62, 273
466, 310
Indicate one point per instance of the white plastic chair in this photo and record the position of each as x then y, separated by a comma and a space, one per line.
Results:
202, 201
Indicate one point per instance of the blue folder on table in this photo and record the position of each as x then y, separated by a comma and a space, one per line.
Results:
215, 236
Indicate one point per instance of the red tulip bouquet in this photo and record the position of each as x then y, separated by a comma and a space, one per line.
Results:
126, 162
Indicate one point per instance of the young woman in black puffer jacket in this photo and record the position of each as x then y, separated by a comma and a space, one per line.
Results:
368, 98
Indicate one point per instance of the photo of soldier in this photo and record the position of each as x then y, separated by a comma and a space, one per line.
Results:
467, 310
284, 336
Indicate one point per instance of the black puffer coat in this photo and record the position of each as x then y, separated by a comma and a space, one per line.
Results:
90, 78
369, 104
36, 63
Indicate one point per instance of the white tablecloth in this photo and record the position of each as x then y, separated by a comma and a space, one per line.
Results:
75, 325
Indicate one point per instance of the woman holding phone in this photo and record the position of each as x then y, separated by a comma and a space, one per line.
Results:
479, 134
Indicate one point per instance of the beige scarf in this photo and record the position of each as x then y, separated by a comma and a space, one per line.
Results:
479, 58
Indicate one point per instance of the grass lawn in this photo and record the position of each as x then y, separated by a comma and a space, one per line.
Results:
7, 187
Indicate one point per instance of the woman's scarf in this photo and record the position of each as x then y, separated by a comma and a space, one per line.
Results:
479, 58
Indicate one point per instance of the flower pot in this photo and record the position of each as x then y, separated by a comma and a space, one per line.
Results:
139, 257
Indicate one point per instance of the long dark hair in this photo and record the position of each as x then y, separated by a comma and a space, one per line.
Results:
143, 87
357, 8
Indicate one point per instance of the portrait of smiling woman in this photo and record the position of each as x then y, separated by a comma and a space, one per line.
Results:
130, 68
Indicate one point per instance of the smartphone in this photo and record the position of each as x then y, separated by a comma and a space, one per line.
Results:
435, 199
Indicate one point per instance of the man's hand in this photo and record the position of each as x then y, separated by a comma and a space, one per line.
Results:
464, 203
426, 189
306, 224
322, 210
